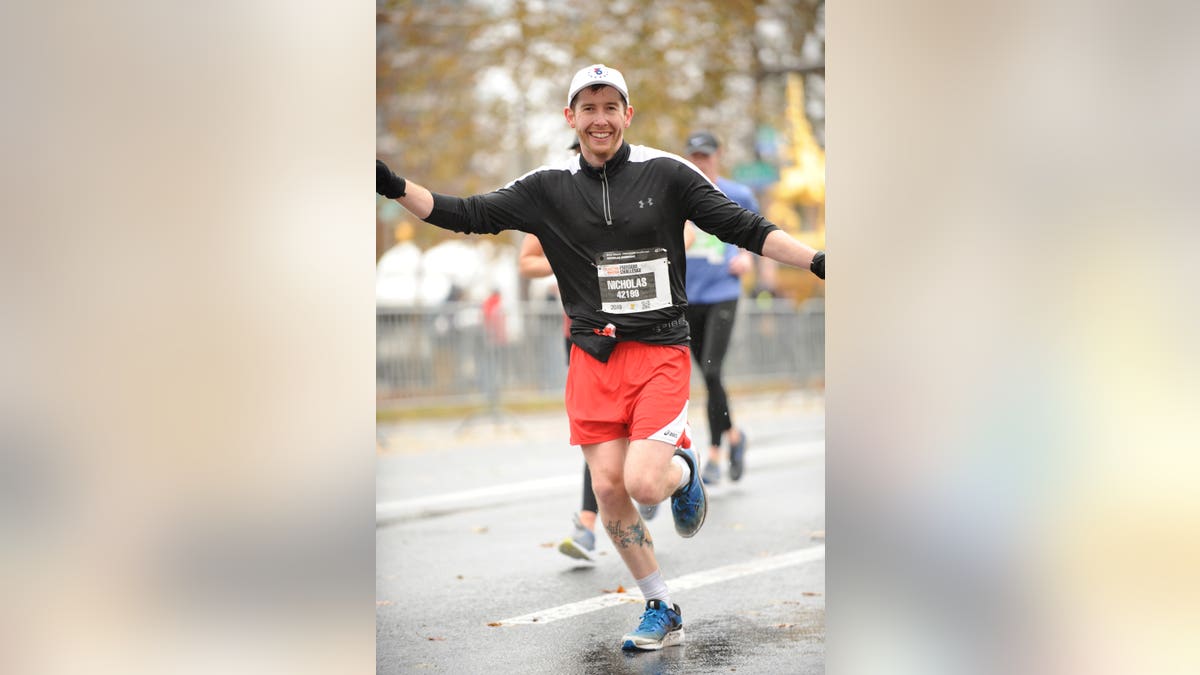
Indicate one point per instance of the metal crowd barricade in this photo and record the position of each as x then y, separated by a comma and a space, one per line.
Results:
447, 356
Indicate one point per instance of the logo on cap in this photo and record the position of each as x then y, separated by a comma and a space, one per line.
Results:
597, 73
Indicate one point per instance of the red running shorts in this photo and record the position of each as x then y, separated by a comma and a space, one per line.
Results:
641, 393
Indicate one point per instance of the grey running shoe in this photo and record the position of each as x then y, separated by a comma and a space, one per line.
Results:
647, 511
711, 474
737, 457
581, 544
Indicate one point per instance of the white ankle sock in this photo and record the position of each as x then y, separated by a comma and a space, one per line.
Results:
654, 588
685, 470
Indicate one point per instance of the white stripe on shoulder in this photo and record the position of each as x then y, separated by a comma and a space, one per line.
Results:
571, 164
642, 153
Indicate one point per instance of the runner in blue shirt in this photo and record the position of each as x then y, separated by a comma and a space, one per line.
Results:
713, 289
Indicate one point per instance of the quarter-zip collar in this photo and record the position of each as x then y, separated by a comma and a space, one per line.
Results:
603, 174
611, 167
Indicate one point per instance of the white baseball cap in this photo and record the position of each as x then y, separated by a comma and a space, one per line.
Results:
598, 73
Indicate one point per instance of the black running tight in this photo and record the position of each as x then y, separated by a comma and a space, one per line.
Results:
712, 328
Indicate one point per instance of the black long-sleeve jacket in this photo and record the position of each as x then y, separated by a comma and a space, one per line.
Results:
613, 236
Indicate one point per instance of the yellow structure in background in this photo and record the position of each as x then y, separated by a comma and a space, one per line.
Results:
797, 202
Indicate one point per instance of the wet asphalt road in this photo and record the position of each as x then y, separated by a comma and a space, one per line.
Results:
468, 523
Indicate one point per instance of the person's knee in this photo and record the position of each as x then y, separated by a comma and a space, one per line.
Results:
608, 489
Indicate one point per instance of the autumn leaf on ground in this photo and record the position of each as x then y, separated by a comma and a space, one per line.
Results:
809, 593
382, 603
549, 544
479, 529
817, 534
620, 589
785, 625
495, 623
436, 639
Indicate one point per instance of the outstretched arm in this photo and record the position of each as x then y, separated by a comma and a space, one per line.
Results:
411, 196
490, 213
781, 246
734, 224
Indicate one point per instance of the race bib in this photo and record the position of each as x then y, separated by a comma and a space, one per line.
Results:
633, 281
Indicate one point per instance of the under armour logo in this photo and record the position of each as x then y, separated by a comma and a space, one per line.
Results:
648, 202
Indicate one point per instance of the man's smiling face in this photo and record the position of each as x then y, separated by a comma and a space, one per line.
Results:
599, 116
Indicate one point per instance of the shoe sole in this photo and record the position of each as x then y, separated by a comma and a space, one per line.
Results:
669, 640
572, 550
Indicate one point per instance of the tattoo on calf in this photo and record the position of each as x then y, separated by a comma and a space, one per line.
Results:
634, 535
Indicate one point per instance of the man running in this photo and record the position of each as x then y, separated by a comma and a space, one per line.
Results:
581, 543
611, 223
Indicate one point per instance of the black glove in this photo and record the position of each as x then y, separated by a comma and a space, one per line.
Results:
818, 265
387, 183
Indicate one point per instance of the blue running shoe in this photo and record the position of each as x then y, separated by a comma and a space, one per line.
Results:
711, 474
689, 504
661, 626
737, 457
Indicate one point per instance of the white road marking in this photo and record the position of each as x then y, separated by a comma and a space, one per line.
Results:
496, 494
683, 583
480, 496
